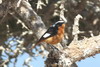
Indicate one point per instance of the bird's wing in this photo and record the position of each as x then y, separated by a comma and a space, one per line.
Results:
49, 33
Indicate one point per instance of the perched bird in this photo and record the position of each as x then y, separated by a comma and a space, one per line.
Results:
53, 35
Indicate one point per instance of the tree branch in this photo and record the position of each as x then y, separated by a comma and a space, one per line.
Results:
76, 51
82, 49
26, 14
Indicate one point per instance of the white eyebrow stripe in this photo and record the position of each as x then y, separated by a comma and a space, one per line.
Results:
57, 23
46, 35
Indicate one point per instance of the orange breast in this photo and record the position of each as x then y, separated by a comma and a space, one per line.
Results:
53, 40
57, 38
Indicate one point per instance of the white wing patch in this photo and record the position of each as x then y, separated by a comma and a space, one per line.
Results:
46, 35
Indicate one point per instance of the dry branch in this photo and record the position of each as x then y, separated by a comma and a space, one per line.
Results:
82, 49
76, 51
26, 14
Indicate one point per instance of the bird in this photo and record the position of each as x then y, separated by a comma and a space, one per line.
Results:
53, 35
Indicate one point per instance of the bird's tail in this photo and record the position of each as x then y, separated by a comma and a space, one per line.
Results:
37, 43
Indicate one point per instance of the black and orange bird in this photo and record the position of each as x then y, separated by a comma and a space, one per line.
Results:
53, 35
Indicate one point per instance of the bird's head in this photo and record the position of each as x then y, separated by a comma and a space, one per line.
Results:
59, 24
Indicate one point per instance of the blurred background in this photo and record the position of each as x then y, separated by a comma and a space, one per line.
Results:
15, 38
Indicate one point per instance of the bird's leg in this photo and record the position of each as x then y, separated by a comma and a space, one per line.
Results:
53, 47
